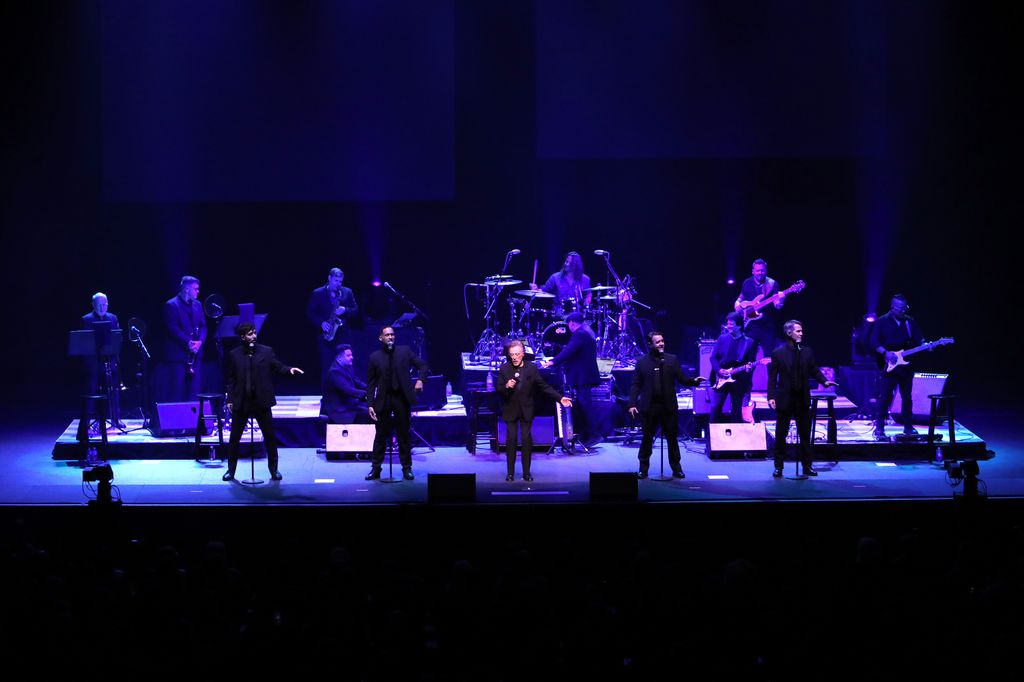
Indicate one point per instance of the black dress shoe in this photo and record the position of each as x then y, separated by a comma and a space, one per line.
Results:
510, 478
228, 476
276, 476
641, 474
879, 434
809, 471
910, 431
527, 477
678, 473
407, 474
777, 473
373, 475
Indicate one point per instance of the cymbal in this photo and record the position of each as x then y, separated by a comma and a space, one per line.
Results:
608, 298
502, 280
599, 287
533, 293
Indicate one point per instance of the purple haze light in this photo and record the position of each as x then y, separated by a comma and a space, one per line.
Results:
375, 282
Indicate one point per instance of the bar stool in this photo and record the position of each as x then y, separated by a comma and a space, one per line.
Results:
947, 400
216, 401
93, 405
832, 436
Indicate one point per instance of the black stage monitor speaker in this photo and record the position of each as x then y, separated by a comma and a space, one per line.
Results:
174, 420
451, 488
543, 430
613, 486
748, 441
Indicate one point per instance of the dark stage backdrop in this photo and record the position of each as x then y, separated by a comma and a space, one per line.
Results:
855, 145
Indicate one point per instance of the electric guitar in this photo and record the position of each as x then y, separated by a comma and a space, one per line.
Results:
902, 354
750, 308
721, 382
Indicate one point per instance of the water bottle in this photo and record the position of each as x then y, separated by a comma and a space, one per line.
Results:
91, 458
448, 391
490, 381
938, 454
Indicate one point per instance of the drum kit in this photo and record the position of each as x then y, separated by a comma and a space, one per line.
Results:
534, 319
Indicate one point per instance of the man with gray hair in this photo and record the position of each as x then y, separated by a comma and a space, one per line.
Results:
96, 375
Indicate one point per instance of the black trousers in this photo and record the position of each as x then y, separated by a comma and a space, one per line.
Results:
511, 442
239, 422
737, 393
395, 418
903, 379
802, 415
182, 385
584, 423
668, 420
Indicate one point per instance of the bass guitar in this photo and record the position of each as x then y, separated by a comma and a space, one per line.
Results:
751, 308
901, 355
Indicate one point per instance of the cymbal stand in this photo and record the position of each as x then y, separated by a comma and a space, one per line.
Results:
489, 338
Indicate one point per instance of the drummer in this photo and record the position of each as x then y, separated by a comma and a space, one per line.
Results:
569, 285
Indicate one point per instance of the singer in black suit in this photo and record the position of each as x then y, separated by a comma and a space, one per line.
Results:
391, 393
789, 394
250, 390
517, 383
653, 396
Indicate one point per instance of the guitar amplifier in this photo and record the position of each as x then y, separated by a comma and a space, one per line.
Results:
924, 386
349, 438
174, 420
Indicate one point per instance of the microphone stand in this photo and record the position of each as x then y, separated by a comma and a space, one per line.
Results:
252, 480
409, 303
142, 375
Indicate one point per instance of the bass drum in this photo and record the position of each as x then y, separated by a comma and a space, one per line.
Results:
554, 338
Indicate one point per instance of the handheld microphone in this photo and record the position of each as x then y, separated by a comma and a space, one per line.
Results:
515, 377
514, 252
601, 252
251, 350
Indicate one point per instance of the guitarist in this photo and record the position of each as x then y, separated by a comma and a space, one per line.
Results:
331, 305
733, 349
891, 332
762, 330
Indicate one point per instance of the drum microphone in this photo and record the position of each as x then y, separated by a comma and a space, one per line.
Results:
601, 252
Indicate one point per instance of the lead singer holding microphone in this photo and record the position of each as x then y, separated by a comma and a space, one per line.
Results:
517, 381
250, 390
391, 394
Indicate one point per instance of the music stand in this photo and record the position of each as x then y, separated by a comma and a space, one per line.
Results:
103, 343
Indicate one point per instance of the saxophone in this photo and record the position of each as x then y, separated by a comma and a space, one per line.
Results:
190, 356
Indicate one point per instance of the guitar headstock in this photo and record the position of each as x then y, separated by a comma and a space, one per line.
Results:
798, 286
941, 342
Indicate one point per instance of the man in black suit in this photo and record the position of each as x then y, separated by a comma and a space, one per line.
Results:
390, 393
186, 332
344, 392
653, 396
331, 308
517, 382
892, 332
250, 390
733, 350
578, 361
96, 377
789, 394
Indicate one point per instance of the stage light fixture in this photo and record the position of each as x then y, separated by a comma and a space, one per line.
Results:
102, 475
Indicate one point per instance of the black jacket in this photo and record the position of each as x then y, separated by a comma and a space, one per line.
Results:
320, 307
343, 395
182, 320
377, 375
748, 353
262, 363
789, 375
517, 403
579, 358
647, 372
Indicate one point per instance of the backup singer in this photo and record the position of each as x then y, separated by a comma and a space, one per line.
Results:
789, 394
186, 333
330, 309
732, 349
891, 332
391, 393
250, 390
518, 381
653, 396
763, 330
